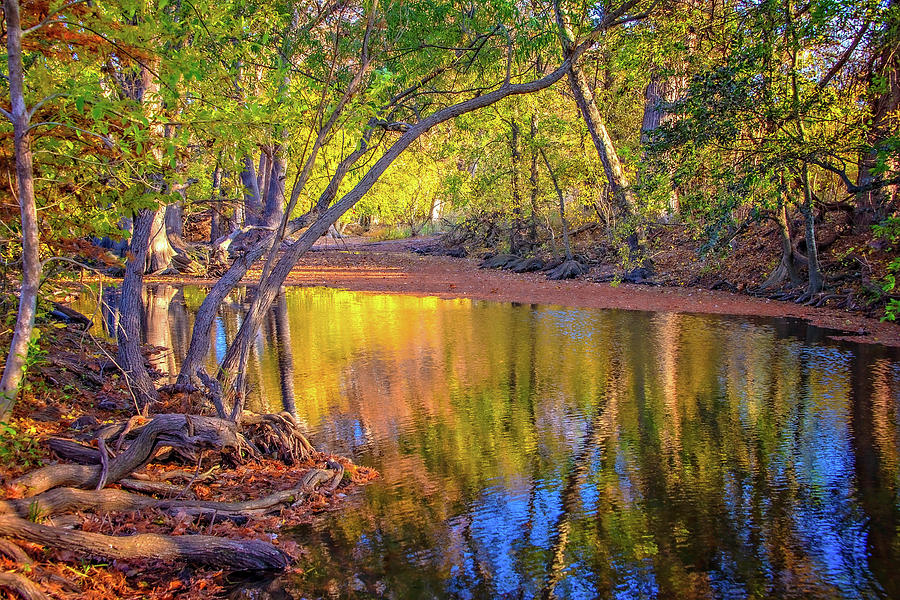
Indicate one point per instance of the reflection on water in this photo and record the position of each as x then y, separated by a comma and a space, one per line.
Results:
537, 452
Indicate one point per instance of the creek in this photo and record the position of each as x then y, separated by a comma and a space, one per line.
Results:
531, 451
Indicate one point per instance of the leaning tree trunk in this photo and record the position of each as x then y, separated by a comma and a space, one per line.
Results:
606, 149
206, 314
238, 351
128, 328
14, 370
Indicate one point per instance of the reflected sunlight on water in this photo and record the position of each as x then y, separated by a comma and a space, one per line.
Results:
535, 451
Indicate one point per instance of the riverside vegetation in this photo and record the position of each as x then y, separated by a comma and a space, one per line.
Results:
556, 132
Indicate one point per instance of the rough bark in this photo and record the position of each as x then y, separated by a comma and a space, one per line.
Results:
515, 158
14, 370
128, 326
244, 555
253, 205
606, 149
22, 587
174, 220
160, 250
189, 434
65, 500
273, 205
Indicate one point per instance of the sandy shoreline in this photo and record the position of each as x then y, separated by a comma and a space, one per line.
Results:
391, 267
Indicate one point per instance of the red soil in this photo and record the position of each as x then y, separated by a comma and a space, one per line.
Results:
390, 267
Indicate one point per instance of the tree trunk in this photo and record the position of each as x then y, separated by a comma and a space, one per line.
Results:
660, 93
785, 268
174, 220
206, 314
606, 149
252, 196
533, 180
562, 207
273, 208
816, 281
128, 329
514, 181
217, 208
160, 252
14, 370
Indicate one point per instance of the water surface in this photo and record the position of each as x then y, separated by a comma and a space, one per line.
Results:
536, 451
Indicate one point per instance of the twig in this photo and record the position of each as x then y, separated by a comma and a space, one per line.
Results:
193, 479
104, 464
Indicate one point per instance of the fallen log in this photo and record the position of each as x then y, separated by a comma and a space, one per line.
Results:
240, 555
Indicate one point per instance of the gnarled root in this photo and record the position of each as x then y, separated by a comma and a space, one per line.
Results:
57, 491
500, 261
186, 434
21, 587
243, 555
66, 500
568, 270
276, 436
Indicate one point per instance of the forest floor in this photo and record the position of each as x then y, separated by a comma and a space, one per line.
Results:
72, 389
396, 267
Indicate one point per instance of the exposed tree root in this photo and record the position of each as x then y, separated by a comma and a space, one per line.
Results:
276, 436
527, 265
567, 270
244, 555
67, 500
500, 261
186, 434
21, 587
55, 492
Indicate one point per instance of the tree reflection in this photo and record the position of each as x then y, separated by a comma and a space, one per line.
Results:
530, 451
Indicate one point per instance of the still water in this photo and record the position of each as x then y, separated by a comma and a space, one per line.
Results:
536, 451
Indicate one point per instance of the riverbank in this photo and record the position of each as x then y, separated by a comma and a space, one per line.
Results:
208, 499
393, 267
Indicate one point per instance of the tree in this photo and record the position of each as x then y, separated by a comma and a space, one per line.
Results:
20, 116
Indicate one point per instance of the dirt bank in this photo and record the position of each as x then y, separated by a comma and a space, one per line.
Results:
392, 267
